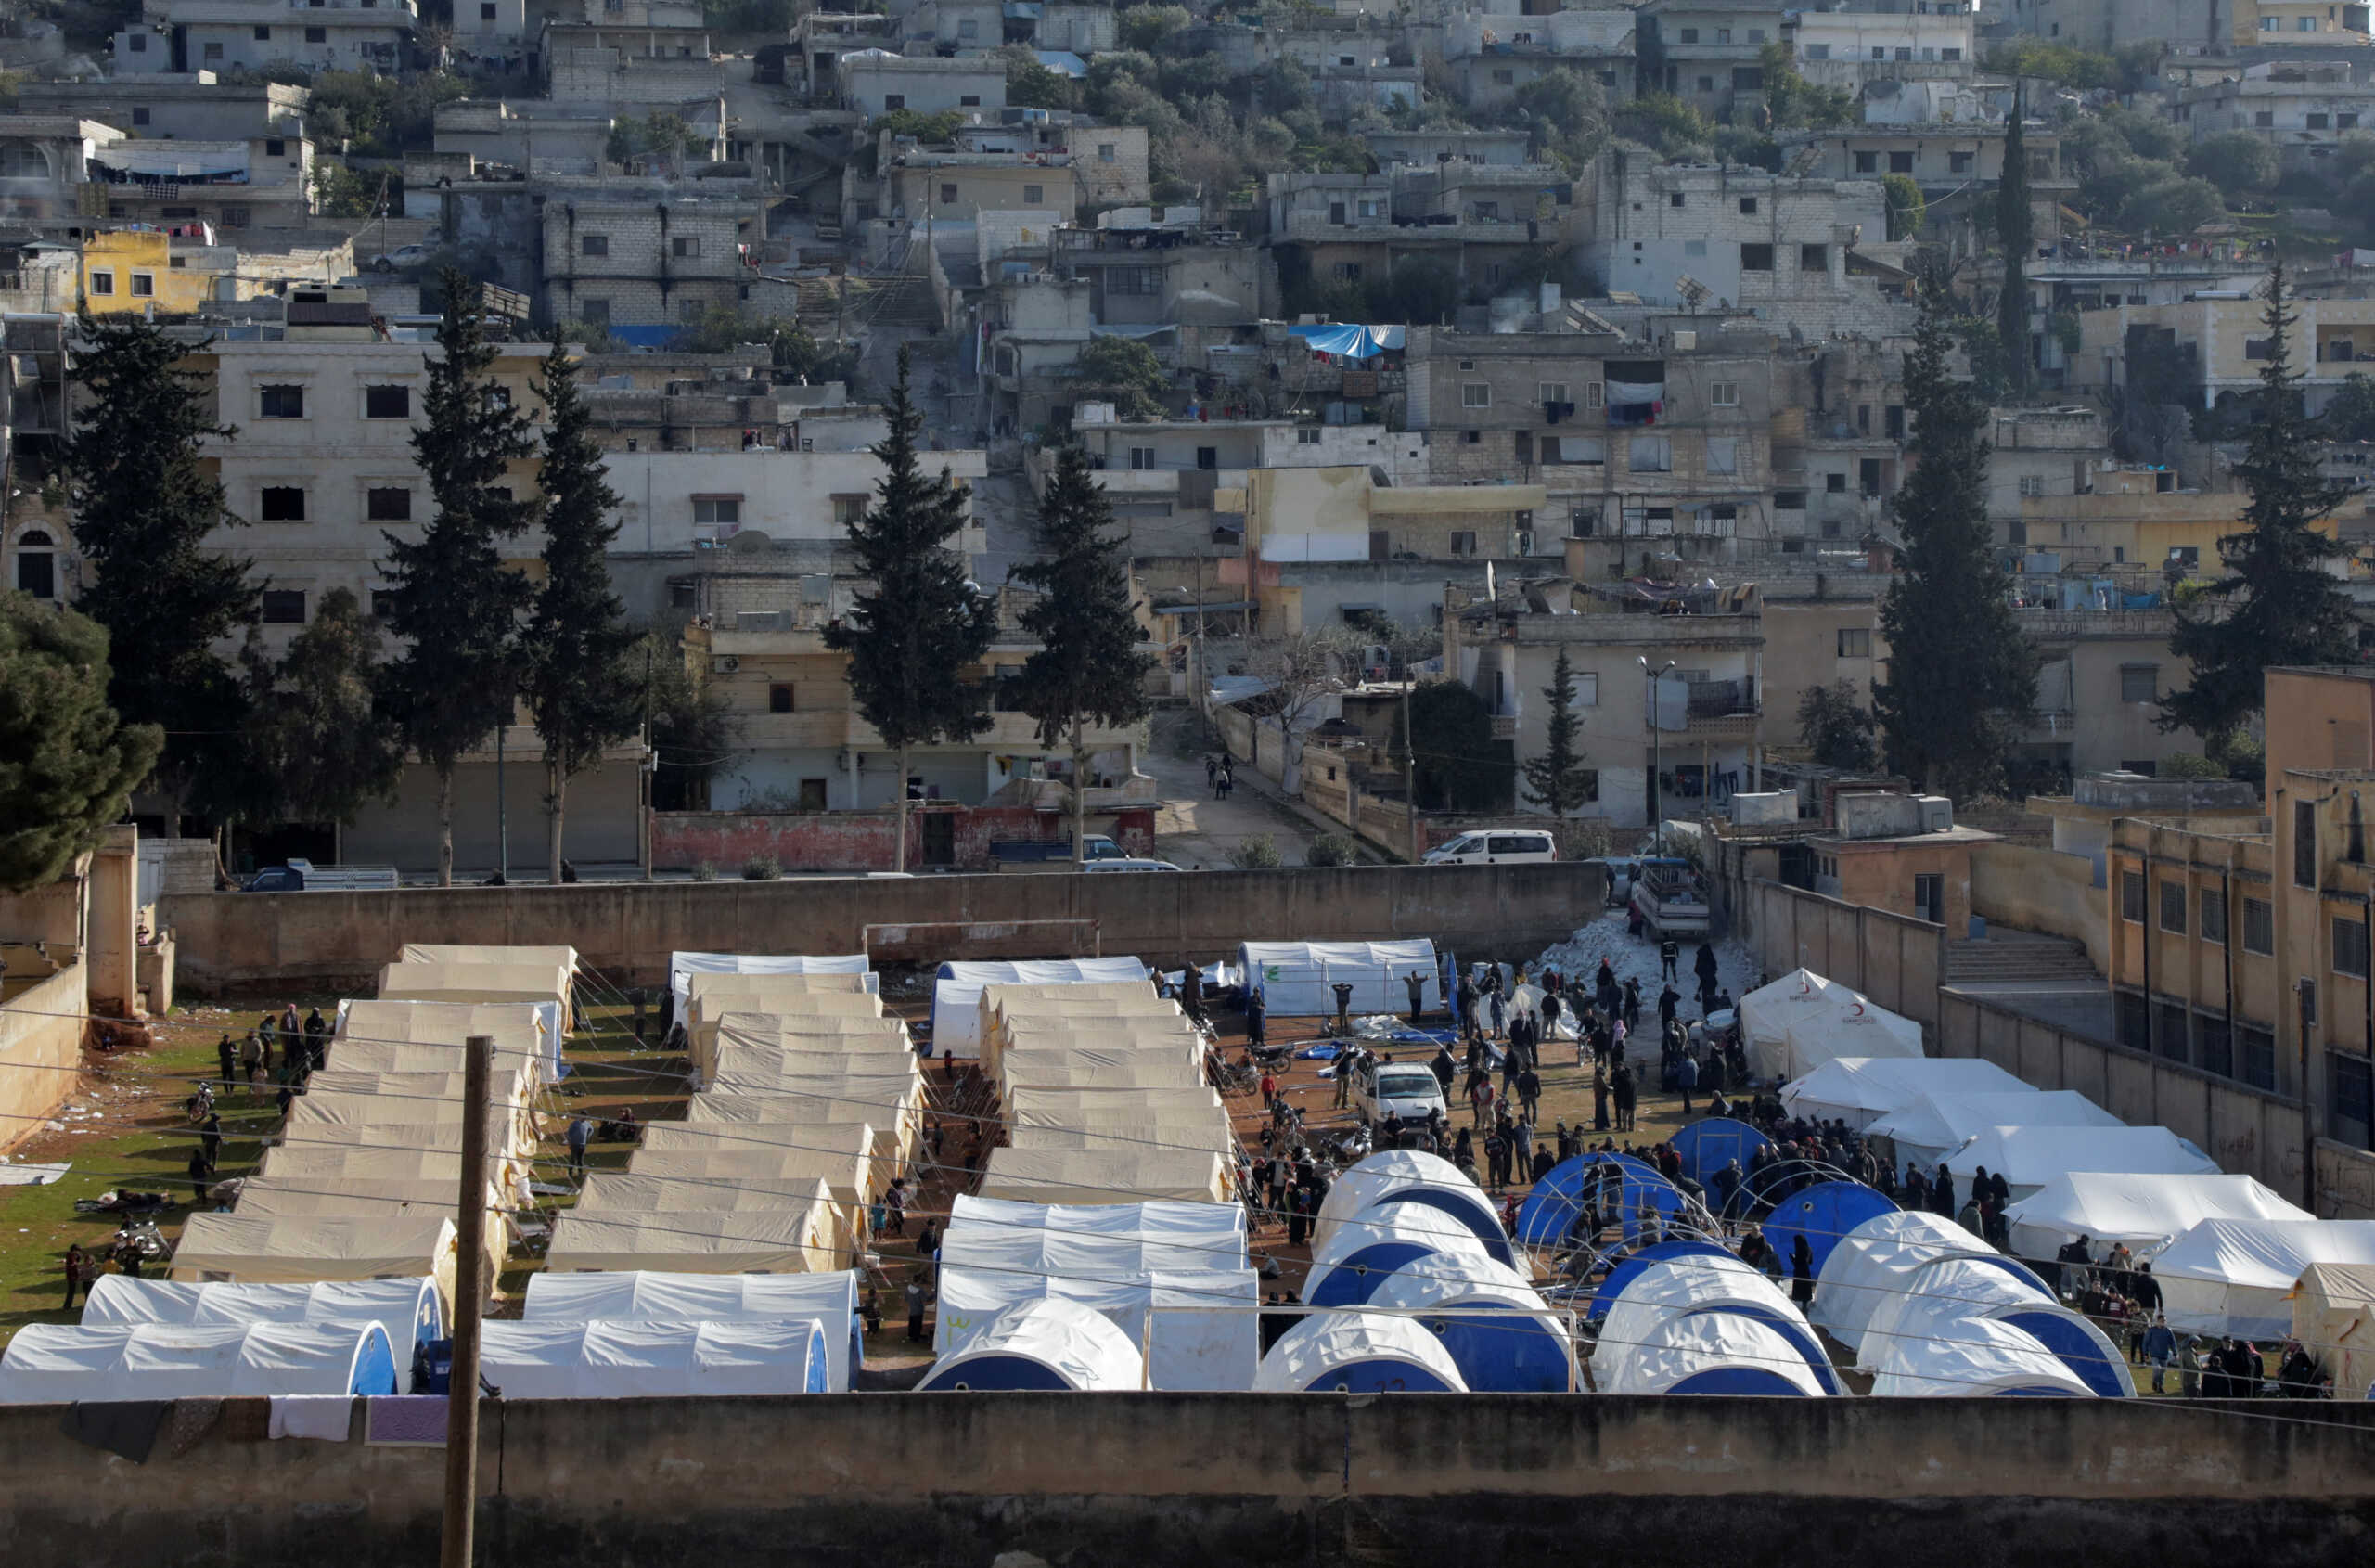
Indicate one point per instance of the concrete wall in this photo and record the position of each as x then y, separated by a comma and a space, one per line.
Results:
2041, 889
1162, 1479
1896, 960
41, 1044
231, 940
843, 840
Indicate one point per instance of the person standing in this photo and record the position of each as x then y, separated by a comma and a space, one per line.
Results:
1418, 985
1669, 953
581, 1133
250, 1057
228, 1055
209, 1139
1529, 1092
917, 1297
2160, 1349
1347, 1061
202, 1176
1941, 1194
80, 1271
1270, 1089
1801, 1270
1192, 994
1600, 1101
1343, 989
1254, 1017
1685, 1078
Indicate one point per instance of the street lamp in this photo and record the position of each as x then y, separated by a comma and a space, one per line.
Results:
1657, 823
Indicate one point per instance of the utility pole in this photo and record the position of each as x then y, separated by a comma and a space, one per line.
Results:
646, 769
1409, 762
469, 1292
502, 818
1657, 816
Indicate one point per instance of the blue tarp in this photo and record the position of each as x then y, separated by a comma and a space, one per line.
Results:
1621, 1273
1706, 1146
1550, 1211
1823, 1213
1352, 342
657, 337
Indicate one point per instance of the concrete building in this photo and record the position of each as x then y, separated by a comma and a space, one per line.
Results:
2041, 452
1849, 48
2083, 820
45, 166
1331, 229
1491, 57
1903, 853
876, 84
630, 69
1707, 53
181, 36
646, 258
194, 107
2187, 26
152, 271
2222, 342
2302, 108
2300, 24
532, 135
1426, 147
264, 182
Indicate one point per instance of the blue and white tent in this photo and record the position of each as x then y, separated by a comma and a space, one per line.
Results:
1878, 1259
1390, 1239
1824, 1214
1411, 1175
1705, 1147
1974, 1357
1358, 1352
1707, 1353
604, 1359
1045, 1344
1694, 1286
1952, 1289
58, 1363
1500, 1333
1550, 1207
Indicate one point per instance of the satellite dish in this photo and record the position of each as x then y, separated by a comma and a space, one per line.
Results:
1694, 293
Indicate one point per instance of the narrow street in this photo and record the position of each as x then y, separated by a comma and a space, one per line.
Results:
1196, 832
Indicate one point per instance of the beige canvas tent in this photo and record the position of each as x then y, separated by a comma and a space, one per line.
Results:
787, 1121
2334, 1317
306, 1164
702, 991
797, 1239
1073, 1106
511, 1167
842, 1157
390, 1055
273, 1249
1195, 1127
606, 1195
472, 953
477, 982
1096, 1175
998, 997
1097, 1067
515, 1027
513, 1082
702, 1027
1017, 1012
512, 1125
368, 1198
895, 1105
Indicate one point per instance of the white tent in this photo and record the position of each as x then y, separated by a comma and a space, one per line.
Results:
1971, 1357
371, 1198
1501, 1334
1358, 1352
1092, 1240
1858, 1090
409, 1309
1874, 1261
956, 993
701, 1032
2145, 1213
1104, 1175
1041, 1344
1099, 1068
473, 953
1207, 1337
1767, 1013
263, 1249
1299, 978
1863, 1030
1389, 1171
795, 1238
2334, 1317
61, 1363
1934, 1126
1701, 1283
2234, 1275
529, 1028
1388, 1239
649, 1295
759, 1181
538, 982
1950, 1290
1705, 1353
410, 1097
843, 1160
555, 1358
2028, 1158
1004, 1006
682, 966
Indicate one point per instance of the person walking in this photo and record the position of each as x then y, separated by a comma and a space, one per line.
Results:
1270, 1089
1669, 952
581, 1133
1347, 1060
1529, 1092
1480, 1095
250, 1057
2160, 1349
1801, 1270
1211, 771
210, 1138
202, 1176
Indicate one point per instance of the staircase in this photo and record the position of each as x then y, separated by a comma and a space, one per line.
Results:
2003, 957
859, 304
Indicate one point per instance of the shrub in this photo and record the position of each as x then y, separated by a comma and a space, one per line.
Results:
762, 868
1257, 852
704, 872
1332, 849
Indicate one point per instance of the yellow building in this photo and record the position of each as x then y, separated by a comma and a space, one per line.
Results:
2128, 522
150, 271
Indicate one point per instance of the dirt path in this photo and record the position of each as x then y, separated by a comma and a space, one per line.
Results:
1197, 833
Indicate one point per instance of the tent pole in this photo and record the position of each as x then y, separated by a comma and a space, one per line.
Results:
462, 1389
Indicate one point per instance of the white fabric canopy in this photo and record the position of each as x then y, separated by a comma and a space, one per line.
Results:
794, 1118
2029, 1157
1093, 1240
1858, 1090
1861, 1029
1680, 1287
1299, 978
796, 1239
537, 1028
956, 993
1191, 1130
1077, 1345
557, 1359
1707, 1344
1057, 1021
59, 1363
1767, 1013
649, 1295
476, 983
1207, 1339
263, 1249
2234, 1275
1389, 1170
1099, 1068
843, 1159
409, 1309
2145, 1213
2334, 1317
1451, 1247
1969, 1357
711, 1010
1947, 1291
1355, 1351
1104, 1175
682, 966
370, 1198
1872, 1263
471, 953
1934, 1126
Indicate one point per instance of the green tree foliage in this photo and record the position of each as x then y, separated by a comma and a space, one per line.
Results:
1665, 123
2278, 604
146, 513
1837, 729
2351, 415
919, 625
68, 763
691, 726
2014, 227
663, 135
1458, 766
1124, 372
2127, 69
453, 600
341, 192
318, 746
383, 116
1030, 84
1797, 103
1960, 676
578, 691
794, 353
1150, 27
1088, 667
1564, 114
1560, 780
1907, 212
2237, 162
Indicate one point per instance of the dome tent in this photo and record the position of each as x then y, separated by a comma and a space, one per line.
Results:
1873, 1261
1358, 1352
1389, 1238
1973, 1357
1499, 1332
59, 1363
604, 1359
1693, 1285
1823, 1213
1706, 1352
1622, 1272
1045, 1344
1705, 1147
1957, 1289
1412, 1175
1551, 1205
410, 1309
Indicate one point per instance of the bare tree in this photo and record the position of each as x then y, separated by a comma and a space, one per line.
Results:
1299, 669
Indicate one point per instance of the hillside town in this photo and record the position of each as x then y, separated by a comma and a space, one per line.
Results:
762, 699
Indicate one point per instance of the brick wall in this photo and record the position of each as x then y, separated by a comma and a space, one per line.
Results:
866, 840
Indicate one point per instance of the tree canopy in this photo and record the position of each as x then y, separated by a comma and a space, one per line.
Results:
67, 764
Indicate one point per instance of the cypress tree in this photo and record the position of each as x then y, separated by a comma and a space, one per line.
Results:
67, 764
454, 601
144, 508
1557, 780
2278, 604
1960, 675
1087, 665
919, 622
2015, 226
318, 746
578, 690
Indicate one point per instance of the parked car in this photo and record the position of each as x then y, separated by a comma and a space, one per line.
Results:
1498, 846
1056, 854
403, 258
1407, 1089
303, 876
1129, 865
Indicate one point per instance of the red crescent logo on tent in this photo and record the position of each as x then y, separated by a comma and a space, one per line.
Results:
1855, 1011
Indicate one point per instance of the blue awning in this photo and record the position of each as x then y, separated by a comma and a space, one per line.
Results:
1352, 342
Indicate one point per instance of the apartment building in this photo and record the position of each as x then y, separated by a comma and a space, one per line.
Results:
2300, 24
181, 36
1707, 53
194, 106
2302, 109
876, 84
1950, 161
644, 262
1492, 59
534, 135
2192, 27
1332, 228
2044, 453
629, 67
1425, 147
2222, 342
149, 271
1851, 49
45, 165
264, 182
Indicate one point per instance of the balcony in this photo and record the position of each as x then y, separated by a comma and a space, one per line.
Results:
1505, 727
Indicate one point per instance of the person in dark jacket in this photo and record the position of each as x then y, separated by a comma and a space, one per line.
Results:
1942, 1193
1801, 1270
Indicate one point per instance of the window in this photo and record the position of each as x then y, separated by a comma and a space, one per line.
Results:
1141, 458
143, 284
1900, 163
1817, 51
1748, 79
235, 217
1868, 162
1505, 78
849, 509
2350, 947
1649, 454
713, 509
2131, 897
36, 564
1854, 642
969, 29
1757, 35
1307, 435
102, 282
893, 101
2259, 926
2171, 1020
1034, 196
1757, 258
1958, 163
2173, 907
2214, 1047
2257, 1067
1208, 457
2345, 122
280, 402
1814, 258
387, 403
1723, 455
1929, 897
686, 246
140, 42
140, 117
2259, 348
317, 35
284, 607
2031, 484
2132, 1019
1893, 421
1674, 199
1834, 484
970, 100
1133, 280
387, 502
592, 244
486, 11
779, 697
2317, 123
2264, 119
281, 503
1548, 392
1691, 35
2304, 844
213, 51
1106, 152
383, 603
1747, 206
1723, 394
1706, 84
1349, 272
1722, 36
2214, 915
2350, 1090
1475, 394
274, 146
1867, 475
948, 196
594, 313
1471, 438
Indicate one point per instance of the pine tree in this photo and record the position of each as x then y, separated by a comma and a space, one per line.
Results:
2277, 603
1960, 675
144, 510
578, 690
1087, 665
920, 623
454, 601
67, 764
319, 747
2015, 226
1557, 780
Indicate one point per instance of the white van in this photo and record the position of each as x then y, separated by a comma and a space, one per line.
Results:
1497, 846
1129, 865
